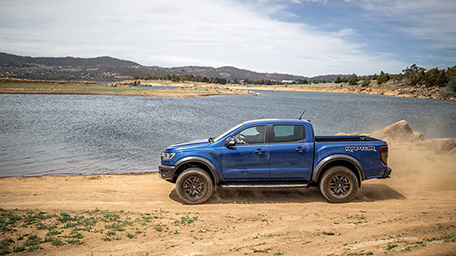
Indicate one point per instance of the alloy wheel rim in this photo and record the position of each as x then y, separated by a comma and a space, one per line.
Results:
194, 187
340, 185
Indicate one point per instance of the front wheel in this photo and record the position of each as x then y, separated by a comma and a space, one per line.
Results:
339, 185
194, 186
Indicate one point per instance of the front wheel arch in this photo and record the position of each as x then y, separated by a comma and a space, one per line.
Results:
197, 162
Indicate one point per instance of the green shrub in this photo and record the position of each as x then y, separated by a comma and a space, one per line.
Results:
365, 83
452, 83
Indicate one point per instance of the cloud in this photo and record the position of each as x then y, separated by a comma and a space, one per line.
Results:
432, 20
309, 1
177, 33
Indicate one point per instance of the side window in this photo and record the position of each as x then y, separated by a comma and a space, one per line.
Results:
251, 135
288, 133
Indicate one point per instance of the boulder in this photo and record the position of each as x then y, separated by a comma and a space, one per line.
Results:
418, 136
399, 131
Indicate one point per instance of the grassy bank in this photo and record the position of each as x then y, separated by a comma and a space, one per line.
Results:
44, 232
17, 86
30, 231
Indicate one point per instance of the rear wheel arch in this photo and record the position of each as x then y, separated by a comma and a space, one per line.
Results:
339, 160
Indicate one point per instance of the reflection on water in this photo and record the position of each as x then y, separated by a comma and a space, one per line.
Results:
92, 134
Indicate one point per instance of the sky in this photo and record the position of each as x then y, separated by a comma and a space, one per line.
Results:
300, 37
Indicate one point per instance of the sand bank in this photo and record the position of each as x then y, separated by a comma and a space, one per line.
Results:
197, 89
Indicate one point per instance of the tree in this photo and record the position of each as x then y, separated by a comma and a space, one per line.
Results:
414, 75
353, 79
383, 78
450, 73
338, 80
435, 77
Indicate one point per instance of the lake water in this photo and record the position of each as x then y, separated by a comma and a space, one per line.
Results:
88, 134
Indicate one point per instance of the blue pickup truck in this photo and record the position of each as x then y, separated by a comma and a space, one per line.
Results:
274, 153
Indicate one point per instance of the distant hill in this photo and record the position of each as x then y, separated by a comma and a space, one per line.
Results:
99, 62
112, 69
230, 73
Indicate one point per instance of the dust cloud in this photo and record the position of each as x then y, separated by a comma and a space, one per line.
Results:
419, 164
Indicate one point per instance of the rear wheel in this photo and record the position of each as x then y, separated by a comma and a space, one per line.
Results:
339, 185
194, 186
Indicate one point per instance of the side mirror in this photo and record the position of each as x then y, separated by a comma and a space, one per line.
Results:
230, 142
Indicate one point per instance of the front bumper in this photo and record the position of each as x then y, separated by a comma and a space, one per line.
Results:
166, 172
386, 174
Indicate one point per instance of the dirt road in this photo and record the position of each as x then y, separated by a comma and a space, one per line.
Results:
413, 213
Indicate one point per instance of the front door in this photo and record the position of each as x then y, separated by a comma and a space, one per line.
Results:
249, 158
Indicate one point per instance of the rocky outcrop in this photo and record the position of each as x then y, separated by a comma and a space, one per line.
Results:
400, 131
125, 84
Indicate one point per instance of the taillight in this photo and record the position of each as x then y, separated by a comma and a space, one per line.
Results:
384, 154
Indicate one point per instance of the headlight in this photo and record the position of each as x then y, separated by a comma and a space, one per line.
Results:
167, 156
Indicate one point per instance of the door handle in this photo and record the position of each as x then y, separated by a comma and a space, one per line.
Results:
300, 149
260, 151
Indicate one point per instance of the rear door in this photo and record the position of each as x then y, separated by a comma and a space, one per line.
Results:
291, 156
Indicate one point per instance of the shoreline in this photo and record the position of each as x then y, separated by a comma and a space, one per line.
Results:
125, 88
194, 89
405, 92
169, 95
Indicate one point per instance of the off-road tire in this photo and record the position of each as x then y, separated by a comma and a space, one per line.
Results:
194, 186
339, 184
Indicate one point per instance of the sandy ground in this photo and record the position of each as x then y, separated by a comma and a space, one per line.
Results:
413, 213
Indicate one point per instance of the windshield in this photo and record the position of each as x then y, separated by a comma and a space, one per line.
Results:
225, 133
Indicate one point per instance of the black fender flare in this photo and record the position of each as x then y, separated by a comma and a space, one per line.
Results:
201, 160
339, 157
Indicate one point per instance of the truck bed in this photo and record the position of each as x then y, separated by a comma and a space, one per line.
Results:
343, 138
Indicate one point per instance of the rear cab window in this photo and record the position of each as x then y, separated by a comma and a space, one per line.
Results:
288, 133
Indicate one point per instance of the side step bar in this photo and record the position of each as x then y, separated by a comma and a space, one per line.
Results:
265, 185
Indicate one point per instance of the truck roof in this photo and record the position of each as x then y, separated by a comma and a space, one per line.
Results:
277, 121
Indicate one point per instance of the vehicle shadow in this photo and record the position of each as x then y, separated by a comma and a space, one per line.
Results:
368, 193
377, 192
